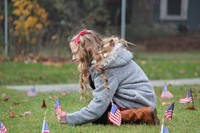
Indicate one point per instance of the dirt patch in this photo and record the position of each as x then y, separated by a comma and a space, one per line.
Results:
177, 43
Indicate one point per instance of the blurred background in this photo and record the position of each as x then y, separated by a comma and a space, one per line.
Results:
34, 35
43, 28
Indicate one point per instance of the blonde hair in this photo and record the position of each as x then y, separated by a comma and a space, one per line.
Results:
93, 47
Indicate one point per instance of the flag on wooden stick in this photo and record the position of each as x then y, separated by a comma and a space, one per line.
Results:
188, 98
169, 112
3, 128
164, 129
165, 93
32, 92
58, 108
114, 116
45, 127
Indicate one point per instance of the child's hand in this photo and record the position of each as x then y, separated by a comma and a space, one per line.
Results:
62, 118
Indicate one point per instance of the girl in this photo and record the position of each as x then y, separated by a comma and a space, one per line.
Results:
107, 67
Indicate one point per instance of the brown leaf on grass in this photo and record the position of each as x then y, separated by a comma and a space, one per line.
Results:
15, 103
12, 115
6, 99
41, 78
191, 108
25, 114
44, 106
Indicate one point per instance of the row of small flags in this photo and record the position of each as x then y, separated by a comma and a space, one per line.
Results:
114, 116
167, 116
167, 94
45, 128
58, 110
170, 109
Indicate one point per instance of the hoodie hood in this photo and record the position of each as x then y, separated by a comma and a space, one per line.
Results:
118, 57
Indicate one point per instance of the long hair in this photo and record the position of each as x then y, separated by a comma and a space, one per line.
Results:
93, 47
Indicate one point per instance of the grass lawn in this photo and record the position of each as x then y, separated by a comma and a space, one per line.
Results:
156, 66
183, 120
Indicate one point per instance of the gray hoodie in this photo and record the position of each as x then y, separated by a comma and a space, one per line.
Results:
128, 85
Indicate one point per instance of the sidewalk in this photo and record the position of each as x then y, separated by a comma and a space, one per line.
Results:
75, 87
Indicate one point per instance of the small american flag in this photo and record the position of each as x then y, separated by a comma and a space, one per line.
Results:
188, 98
2, 128
164, 129
169, 112
58, 108
32, 92
166, 93
114, 116
45, 128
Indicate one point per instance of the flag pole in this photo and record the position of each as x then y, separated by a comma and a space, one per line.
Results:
192, 98
163, 120
161, 129
44, 120
45, 114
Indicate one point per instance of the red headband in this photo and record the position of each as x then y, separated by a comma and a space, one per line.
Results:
77, 39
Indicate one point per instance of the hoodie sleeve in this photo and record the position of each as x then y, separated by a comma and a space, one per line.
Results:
98, 105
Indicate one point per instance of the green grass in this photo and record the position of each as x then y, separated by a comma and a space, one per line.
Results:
170, 65
21, 73
183, 120
155, 65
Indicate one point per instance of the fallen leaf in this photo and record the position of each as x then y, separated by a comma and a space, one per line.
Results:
41, 78
6, 99
12, 114
43, 104
15, 103
191, 108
